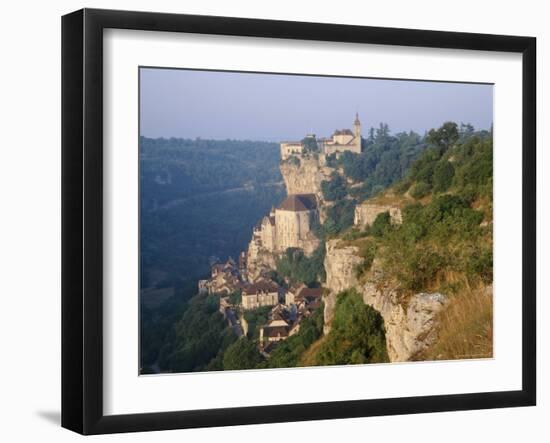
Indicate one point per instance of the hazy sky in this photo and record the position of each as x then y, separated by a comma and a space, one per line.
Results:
220, 105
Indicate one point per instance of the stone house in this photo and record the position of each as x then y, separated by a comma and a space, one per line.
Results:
341, 140
259, 294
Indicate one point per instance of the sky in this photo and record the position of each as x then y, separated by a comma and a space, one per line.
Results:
274, 107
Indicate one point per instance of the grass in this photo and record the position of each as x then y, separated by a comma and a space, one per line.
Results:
309, 357
465, 328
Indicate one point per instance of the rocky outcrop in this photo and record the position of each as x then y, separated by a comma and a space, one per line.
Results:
304, 175
259, 260
340, 264
366, 213
409, 321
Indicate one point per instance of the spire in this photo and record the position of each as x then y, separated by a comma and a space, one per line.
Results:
356, 122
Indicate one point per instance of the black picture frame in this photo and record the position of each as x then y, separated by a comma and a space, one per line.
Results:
82, 218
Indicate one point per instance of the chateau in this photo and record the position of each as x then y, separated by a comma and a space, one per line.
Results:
341, 140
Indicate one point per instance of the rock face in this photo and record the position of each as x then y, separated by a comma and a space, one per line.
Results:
409, 321
366, 213
305, 174
340, 264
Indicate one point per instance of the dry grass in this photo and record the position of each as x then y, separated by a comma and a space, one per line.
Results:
309, 357
465, 328
391, 198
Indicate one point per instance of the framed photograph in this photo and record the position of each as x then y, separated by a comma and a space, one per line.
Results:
269, 221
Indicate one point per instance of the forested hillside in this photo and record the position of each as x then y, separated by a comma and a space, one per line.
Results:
199, 200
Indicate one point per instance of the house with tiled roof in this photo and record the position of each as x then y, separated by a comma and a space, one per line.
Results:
259, 294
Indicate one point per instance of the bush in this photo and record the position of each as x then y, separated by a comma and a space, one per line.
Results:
298, 268
357, 335
443, 176
335, 188
242, 354
420, 190
380, 224
288, 352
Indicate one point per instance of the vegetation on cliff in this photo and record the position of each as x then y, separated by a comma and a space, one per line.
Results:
296, 267
290, 352
445, 241
385, 159
357, 334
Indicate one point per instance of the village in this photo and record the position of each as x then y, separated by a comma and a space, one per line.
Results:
286, 306
247, 285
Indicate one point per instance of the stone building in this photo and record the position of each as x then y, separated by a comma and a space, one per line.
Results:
288, 226
225, 278
341, 140
291, 148
259, 294
366, 213
293, 223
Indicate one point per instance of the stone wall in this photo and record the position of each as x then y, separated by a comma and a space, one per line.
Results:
366, 213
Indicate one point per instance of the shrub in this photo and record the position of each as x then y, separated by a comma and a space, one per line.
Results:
443, 176
335, 188
242, 354
420, 189
357, 335
380, 224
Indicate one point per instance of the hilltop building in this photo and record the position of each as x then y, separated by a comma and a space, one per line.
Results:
342, 140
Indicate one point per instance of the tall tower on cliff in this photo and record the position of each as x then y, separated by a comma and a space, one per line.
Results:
357, 131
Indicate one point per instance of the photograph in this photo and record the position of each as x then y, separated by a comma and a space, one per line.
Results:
309, 220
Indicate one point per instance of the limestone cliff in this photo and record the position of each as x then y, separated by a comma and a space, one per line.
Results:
409, 321
304, 175
340, 264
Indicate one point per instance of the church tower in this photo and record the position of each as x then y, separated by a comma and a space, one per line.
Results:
357, 132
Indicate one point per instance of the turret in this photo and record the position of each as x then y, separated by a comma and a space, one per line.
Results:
357, 132
357, 126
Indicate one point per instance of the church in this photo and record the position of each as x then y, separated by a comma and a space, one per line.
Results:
289, 225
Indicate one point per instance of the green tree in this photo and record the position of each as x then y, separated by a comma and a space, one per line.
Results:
444, 137
444, 172
310, 144
380, 224
242, 354
357, 334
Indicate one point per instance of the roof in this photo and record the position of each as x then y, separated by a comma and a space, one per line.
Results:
299, 202
261, 286
275, 331
343, 132
311, 292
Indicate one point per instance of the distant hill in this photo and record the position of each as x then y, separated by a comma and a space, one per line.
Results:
199, 199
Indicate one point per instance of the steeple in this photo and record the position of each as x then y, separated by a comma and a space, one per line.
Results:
357, 132
357, 126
